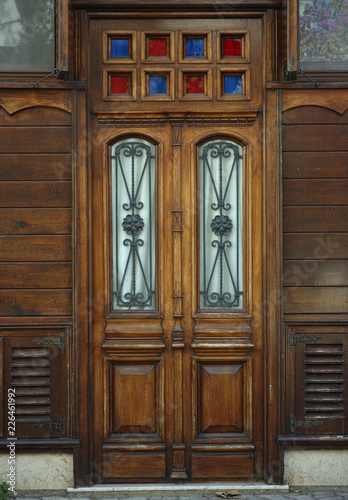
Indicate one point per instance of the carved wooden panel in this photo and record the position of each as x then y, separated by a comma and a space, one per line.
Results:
133, 398
317, 386
223, 394
134, 420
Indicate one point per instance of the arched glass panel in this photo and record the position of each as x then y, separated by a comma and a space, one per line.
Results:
221, 241
133, 224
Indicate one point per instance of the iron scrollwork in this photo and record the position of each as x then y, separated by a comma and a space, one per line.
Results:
220, 182
133, 178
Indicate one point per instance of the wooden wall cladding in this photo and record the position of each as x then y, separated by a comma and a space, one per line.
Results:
35, 203
317, 391
315, 207
34, 364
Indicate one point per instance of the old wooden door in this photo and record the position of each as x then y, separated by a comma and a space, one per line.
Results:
177, 246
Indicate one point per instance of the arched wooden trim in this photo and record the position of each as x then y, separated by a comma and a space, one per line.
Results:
14, 105
329, 99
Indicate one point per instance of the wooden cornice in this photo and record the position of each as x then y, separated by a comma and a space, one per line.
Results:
198, 5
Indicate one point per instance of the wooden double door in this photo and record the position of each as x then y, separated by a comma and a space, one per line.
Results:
177, 252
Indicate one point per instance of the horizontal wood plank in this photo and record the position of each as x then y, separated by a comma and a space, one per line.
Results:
315, 138
299, 165
35, 303
35, 194
315, 192
315, 219
35, 248
315, 246
43, 116
33, 275
315, 273
313, 115
35, 167
303, 300
35, 221
35, 140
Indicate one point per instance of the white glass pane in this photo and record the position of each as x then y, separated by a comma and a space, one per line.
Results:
27, 32
133, 224
220, 173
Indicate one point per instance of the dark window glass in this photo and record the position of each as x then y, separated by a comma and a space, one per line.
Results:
26, 35
323, 32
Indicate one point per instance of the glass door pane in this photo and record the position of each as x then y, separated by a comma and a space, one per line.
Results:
133, 224
221, 242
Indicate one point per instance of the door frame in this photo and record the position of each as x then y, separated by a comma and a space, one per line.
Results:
83, 309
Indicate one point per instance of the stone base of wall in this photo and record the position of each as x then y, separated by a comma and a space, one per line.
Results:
44, 471
316, 467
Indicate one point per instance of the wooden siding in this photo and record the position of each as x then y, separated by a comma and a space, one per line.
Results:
35, 212
315, 210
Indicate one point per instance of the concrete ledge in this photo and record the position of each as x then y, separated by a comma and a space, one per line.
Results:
128, 490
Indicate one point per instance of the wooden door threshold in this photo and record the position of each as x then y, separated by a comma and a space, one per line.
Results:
172, 489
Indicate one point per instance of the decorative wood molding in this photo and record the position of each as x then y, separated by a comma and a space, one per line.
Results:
27, 100
178, 447
331, 99
141, 347
235, 119
227, 347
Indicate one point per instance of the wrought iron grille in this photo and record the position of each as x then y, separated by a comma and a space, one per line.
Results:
133, 217
220, 172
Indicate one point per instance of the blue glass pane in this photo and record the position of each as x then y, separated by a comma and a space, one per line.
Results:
233, 84
157, 85
120, 47
194, 47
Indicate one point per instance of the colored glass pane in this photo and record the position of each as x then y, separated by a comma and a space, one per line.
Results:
195, 84
157, 47
120, 84
157, 85
232, 84
120, 47
194, 47
232, 47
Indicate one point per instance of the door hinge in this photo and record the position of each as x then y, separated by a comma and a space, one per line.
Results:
301, 338
54, 426
307, 424
59, 341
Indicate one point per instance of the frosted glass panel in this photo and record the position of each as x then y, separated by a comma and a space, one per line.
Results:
221, 242
133, 224
27, 33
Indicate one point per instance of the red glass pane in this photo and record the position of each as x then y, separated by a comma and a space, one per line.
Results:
120, 84
195, 84
157, 47
232, 47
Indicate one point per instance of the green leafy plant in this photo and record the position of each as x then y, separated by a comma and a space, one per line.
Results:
4, 494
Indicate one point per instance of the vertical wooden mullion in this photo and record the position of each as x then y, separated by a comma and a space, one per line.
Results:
273, 287
178, 466
80, 371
